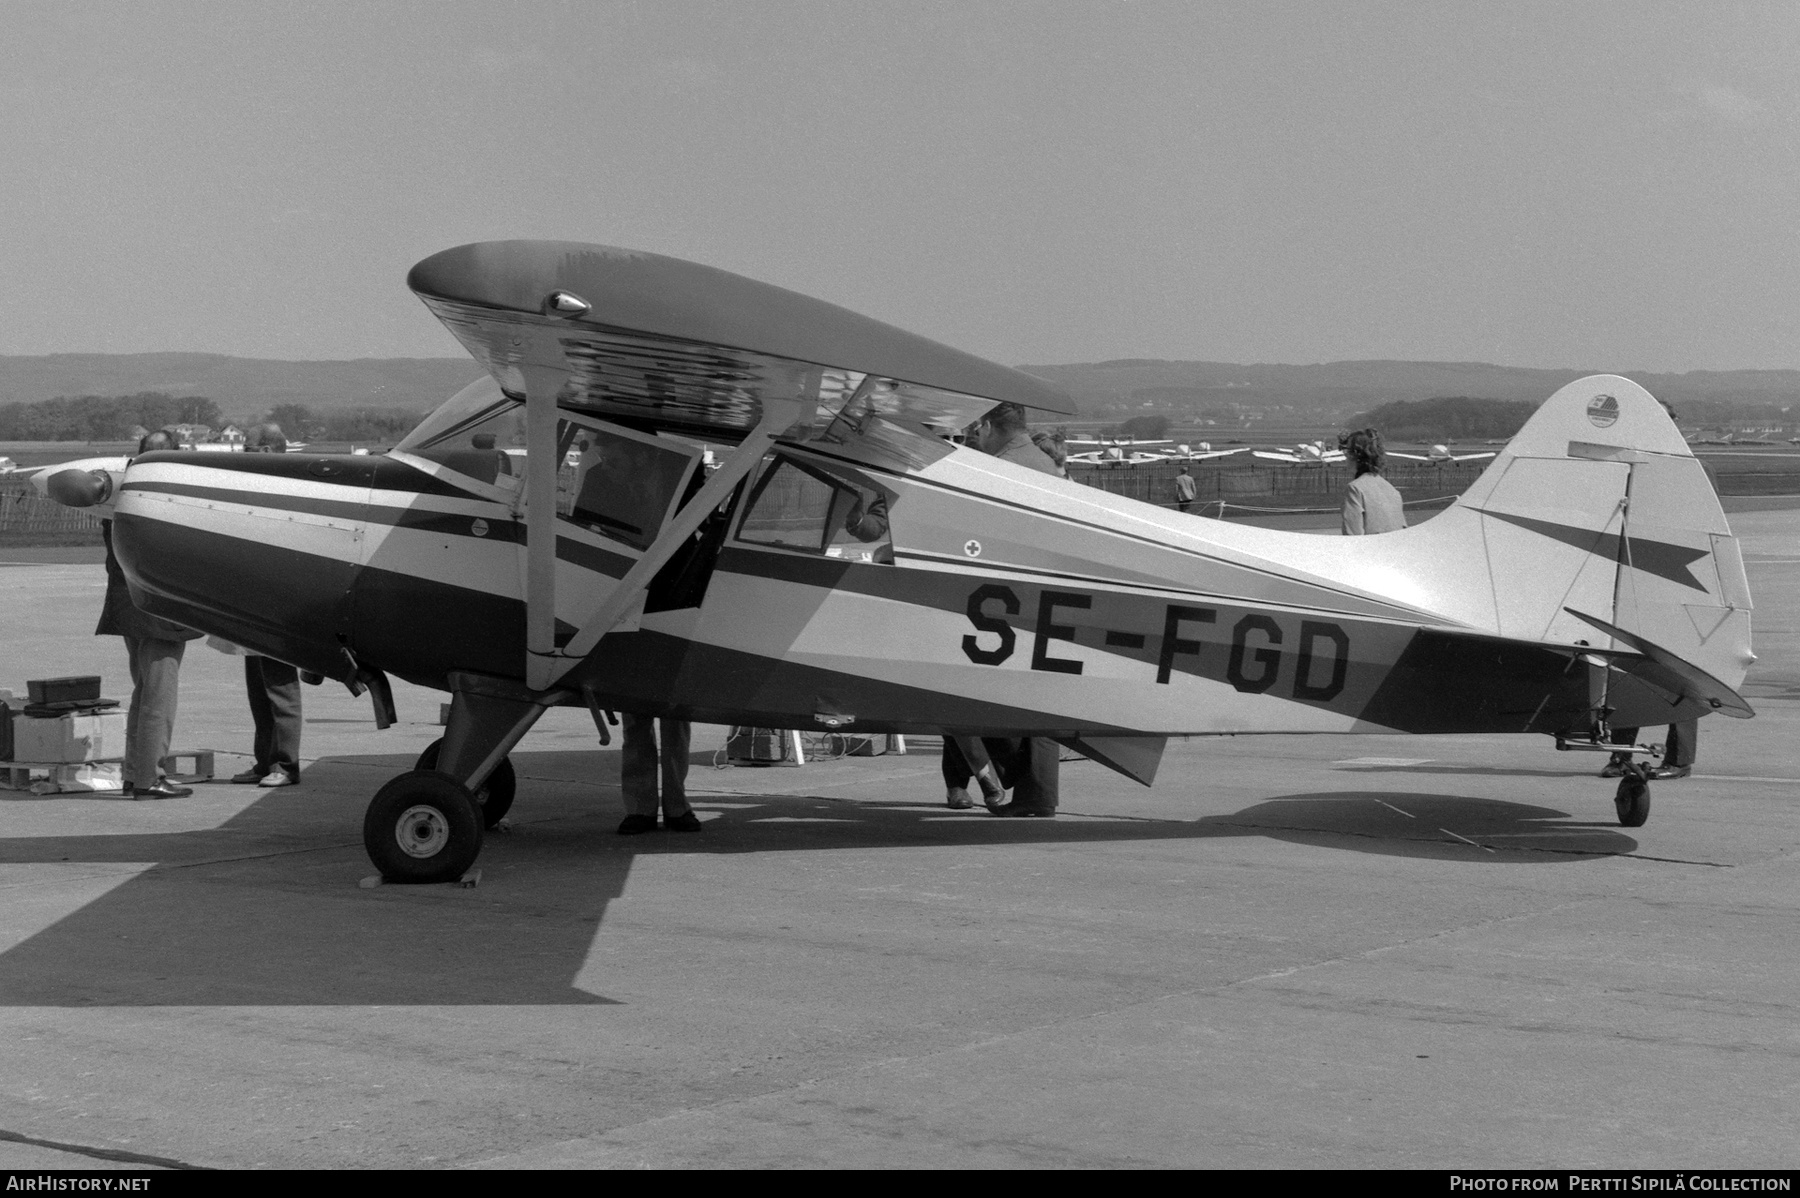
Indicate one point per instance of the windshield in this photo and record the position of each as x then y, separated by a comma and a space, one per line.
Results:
457, 417
478, 432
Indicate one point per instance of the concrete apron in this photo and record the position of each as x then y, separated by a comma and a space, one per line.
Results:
1374, 951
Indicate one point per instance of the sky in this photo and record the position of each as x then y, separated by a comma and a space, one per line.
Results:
1593, 186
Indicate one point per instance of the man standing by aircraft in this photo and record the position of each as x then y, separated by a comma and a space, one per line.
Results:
1031, 764
155, 647
273, 687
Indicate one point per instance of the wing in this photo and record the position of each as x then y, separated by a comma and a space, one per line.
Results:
1469, 457
685, 347
1275, 456
1411, 457
1215, 453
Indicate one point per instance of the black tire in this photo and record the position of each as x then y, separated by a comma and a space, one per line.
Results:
422, 827
495, 798
1632, 800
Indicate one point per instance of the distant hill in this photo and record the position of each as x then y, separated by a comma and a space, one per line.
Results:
1341, 389
242, 387
250, 387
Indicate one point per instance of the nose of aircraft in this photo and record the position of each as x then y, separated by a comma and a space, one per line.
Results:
251, 550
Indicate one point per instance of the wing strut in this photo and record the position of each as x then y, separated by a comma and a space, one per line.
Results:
545, 667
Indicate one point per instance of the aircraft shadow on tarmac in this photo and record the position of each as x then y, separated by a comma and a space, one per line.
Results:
264, 910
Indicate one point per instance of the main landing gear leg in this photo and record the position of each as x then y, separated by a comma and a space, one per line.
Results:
426, 825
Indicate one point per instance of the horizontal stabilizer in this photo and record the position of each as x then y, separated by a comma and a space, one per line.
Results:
1137, 757
1681, 677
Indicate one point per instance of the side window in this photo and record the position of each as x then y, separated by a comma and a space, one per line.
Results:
618, 484
800, 508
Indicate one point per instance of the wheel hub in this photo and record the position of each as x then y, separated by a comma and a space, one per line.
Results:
422, 831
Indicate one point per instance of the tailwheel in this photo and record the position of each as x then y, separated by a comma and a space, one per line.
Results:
494, 797
422, 827
1633, 798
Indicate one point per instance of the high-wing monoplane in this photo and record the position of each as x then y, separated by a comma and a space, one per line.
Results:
548, 538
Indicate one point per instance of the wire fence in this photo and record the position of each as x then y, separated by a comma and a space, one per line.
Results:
28, 518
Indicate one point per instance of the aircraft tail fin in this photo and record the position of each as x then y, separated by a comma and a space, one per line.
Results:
1602, 528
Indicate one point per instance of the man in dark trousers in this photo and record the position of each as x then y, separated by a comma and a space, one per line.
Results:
1185, 490
155, 647
273, 686
1030, 765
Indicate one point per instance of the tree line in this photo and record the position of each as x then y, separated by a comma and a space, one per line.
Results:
1448, 418
301, 423
102, 417
119, 417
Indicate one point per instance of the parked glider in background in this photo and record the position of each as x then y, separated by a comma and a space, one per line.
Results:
1439, 453
476, 558
1307, 453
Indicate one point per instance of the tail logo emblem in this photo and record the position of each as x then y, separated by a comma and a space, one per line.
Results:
1603, 410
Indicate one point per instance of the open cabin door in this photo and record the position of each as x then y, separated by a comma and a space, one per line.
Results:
616, 490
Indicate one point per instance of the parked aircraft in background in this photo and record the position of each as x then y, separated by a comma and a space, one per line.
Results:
1201, 452
993, 599
1307, 453
1439, 453
1114, 451
1127, 452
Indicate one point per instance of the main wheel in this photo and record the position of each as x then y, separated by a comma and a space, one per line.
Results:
422, 827
495, 798
1632, 799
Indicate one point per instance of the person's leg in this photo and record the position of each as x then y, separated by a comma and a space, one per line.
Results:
281, 695
637, 772
1039, 787
953, 764
1678, 752
159, 672
131, 715
676, 734
262, 716
956, 769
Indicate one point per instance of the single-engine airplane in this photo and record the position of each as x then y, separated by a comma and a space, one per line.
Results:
1202, 451
547, 537
1308, 453
1116, 451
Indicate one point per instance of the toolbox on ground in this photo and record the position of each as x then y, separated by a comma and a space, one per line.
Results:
80, 688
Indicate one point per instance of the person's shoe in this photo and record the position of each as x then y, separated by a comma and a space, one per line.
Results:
249, 777
637, 825
279, 778
162, 790
993, 795
1615, 768
687, 822
957, 799
1025, 810
1671, 771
